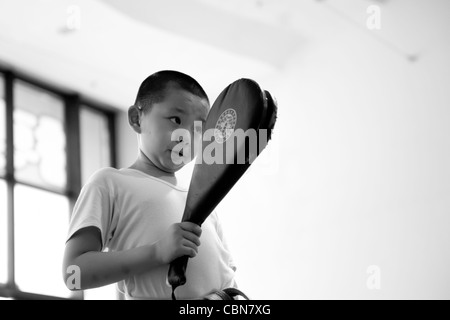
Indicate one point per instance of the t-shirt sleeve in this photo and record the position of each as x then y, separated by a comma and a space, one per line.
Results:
94, 208
223, 239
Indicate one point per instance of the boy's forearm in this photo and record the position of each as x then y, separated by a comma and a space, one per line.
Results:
99, 269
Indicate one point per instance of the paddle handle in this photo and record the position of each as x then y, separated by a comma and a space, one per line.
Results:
177, 272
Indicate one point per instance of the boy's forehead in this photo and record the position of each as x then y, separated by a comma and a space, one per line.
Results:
182, 101
180, 96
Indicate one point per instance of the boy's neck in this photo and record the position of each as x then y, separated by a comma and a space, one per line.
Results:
144, 164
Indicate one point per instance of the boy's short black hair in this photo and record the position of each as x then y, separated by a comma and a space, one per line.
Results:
152, 90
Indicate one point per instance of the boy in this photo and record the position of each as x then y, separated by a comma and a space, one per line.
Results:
125, 226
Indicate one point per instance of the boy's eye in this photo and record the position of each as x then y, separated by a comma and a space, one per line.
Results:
175, 120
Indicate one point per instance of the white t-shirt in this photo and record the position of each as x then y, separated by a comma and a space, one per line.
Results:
133, 209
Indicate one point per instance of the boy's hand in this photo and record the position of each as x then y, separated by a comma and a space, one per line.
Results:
181, 239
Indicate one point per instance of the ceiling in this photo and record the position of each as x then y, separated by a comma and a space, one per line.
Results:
103, 49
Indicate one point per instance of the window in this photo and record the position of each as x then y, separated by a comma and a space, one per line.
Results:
95, 142
52, 144
3, 235
39, 240
2, 128
3, 192
40, 140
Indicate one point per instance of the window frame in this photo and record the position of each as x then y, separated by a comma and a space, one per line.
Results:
72, 104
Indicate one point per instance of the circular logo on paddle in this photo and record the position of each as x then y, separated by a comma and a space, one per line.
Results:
225, 125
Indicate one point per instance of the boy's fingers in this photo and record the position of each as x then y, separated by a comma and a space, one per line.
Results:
191, 227
190, 245
191, 253
191, 237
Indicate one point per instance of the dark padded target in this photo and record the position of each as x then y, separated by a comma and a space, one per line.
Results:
242, 105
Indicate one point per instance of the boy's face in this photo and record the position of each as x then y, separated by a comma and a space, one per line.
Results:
178, 110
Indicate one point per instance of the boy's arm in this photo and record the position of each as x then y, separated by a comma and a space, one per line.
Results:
98, 268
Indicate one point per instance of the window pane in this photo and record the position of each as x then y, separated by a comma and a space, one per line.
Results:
3, 234
2, 128
95, 142
39, 137
41, 220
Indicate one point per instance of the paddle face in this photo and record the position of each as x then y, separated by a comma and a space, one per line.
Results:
236, 131
225, 156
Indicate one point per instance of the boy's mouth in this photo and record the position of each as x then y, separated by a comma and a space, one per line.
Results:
180, 153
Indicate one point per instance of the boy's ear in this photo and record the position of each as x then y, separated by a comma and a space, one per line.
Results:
134, 118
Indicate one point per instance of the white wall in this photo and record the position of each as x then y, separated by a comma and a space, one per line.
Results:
363, 176
363, 179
